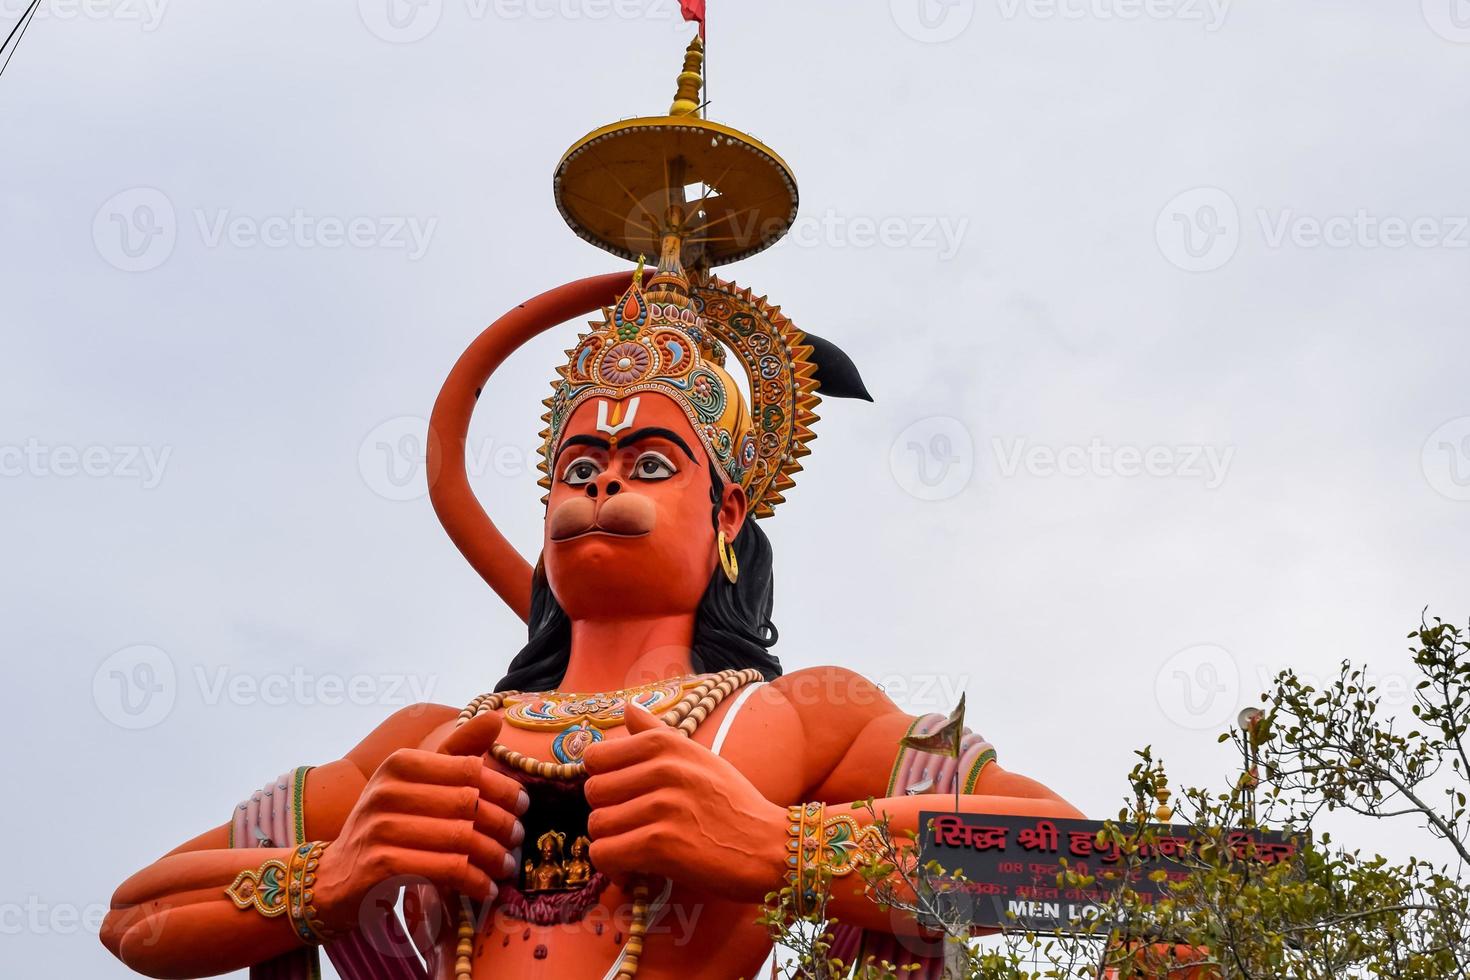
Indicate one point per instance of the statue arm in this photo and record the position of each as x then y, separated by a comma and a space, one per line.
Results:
174, 919
864, 771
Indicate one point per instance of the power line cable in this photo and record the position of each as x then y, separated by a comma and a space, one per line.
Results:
17, 33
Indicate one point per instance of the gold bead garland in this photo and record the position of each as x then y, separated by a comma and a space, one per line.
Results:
685, 716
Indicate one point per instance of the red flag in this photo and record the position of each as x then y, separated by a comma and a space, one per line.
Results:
693, 10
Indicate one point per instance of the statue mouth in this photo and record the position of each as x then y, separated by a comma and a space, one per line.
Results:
603, 531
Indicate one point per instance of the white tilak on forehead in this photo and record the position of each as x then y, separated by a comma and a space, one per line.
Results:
623, 415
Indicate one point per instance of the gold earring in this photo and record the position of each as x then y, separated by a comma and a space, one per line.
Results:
727, 558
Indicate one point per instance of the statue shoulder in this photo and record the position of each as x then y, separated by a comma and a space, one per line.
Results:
412, 727
839, 709
835, 696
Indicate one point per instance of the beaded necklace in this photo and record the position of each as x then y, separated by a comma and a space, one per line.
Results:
704, 694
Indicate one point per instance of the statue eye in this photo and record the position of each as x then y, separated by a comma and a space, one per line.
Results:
653, 466
580, 472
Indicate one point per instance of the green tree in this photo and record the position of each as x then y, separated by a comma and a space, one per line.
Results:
1328, 913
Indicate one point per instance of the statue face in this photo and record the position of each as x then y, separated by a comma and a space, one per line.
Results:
629, 521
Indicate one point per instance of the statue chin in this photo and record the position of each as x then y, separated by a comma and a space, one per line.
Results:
599, 573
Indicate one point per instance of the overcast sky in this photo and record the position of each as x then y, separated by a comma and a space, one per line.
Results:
1163, 303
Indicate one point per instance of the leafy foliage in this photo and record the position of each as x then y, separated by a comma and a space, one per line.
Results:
1328, 913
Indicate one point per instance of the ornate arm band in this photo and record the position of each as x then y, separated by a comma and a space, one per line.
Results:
821, 848
279, 888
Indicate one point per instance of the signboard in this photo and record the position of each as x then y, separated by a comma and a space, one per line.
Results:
1011, 866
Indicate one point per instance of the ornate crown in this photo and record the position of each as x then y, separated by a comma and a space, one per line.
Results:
671, 337
673, 333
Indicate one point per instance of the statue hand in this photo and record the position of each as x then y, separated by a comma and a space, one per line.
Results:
443, 816
664, 804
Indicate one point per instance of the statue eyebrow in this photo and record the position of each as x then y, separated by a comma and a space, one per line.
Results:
654, 432
592, 441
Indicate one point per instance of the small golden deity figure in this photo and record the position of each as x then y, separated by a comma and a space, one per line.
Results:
577, 867
547, 875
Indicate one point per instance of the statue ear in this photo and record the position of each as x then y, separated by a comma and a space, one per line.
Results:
837, 376
733, 508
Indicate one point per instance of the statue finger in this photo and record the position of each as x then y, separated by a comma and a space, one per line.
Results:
474, 737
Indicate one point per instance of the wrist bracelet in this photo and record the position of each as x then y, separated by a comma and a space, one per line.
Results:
279, 888
803, 821
820, 848
301, 879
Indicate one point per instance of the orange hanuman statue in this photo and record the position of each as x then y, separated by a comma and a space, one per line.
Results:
646, 712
